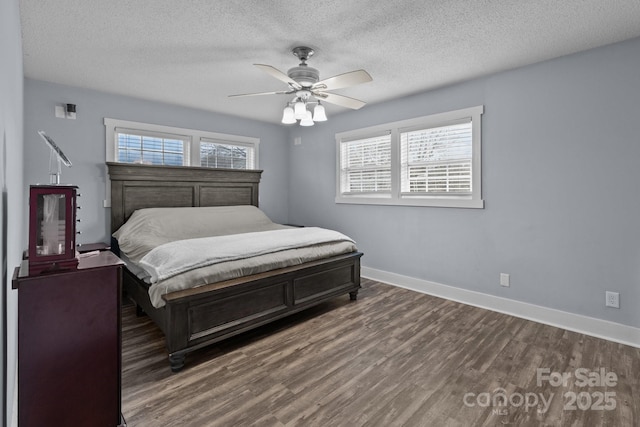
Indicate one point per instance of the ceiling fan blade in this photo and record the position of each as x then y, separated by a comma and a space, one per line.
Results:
274, 72
341, 100
351, 78
261, 93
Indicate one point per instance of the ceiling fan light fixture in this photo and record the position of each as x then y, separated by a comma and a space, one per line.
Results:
319, 114
300, 110
307, 120
288, 116
304, 82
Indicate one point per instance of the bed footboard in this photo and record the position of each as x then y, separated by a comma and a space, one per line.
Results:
195, 318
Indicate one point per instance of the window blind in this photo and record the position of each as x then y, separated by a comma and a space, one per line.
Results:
150, 148
222, 154
437, 160
366, 165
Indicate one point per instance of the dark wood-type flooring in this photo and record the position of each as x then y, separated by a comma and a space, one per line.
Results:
392, 358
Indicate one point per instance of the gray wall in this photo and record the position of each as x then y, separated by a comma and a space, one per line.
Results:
13, 194
560, 153
83, 141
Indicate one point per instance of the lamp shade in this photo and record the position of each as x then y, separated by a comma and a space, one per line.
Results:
319, 114
307, 120
300, 110
288, 116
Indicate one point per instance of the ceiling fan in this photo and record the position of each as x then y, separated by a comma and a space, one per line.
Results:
305, 84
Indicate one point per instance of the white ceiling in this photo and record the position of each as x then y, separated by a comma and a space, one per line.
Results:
197, 52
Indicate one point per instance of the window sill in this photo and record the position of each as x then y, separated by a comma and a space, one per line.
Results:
466, 203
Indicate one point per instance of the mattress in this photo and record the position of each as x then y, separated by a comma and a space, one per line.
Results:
150, 230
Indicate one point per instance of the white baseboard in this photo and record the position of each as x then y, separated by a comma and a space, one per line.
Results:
604, 329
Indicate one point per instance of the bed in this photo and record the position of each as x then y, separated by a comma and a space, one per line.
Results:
192, 318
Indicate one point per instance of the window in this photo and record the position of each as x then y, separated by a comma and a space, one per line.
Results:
152, 149
366, 165
427, 161
219, 154
132, 142
437, 160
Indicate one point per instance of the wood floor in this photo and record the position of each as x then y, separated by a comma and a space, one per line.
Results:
392, 358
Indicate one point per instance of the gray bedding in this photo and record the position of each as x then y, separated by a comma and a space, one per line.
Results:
153, 229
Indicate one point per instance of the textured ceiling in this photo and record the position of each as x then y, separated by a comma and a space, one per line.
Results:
195, 53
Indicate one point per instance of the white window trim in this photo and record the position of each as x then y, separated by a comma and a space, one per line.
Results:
192, 150
474, 200
192, 153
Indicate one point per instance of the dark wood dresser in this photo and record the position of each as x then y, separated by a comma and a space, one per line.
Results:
69, 338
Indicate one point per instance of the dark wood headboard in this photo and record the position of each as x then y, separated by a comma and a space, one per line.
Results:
135, 186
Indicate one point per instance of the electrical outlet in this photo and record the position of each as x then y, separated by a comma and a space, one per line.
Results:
504, 280
612, 299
